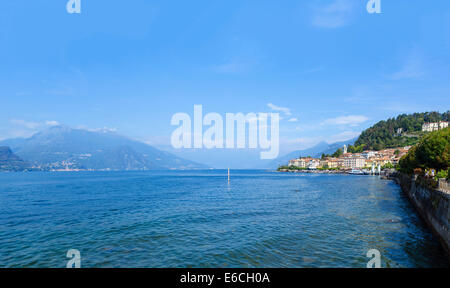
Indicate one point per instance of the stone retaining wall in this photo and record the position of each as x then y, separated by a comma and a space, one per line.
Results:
432, 204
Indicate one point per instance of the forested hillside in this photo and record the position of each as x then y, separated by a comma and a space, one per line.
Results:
9, 161
384, 134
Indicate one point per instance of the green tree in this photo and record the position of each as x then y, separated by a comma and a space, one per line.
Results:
388, 166
431, 152
409, 162
338, 153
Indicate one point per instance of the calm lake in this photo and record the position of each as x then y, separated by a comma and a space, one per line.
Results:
198, 219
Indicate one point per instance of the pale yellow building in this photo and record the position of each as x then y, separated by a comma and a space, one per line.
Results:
330, 163
354, 162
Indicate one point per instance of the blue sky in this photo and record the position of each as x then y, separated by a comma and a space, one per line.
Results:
330, 68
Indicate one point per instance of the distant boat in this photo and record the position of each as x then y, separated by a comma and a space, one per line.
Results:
356, 172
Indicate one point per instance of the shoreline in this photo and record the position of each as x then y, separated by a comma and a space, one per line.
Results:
431, 204
340, 172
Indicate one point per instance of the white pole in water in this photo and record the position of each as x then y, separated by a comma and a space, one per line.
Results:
228, 174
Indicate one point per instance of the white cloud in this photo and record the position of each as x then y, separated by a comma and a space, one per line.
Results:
25, 124
11, 134
346, 135
24, 129
233, 67
52, 123
285, 110
33, 125
21, 129
352, 120
293, 120
333, 15
412, 67
104, 129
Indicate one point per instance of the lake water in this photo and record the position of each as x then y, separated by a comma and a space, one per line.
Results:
197, 219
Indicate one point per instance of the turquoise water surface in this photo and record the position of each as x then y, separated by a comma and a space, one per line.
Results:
198, 219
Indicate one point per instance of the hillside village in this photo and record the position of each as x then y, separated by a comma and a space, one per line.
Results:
368, 159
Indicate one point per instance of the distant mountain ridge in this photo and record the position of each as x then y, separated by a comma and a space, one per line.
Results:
315, 151
61, 147
9, 161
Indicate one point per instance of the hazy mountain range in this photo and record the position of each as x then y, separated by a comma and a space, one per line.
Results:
62, 147
316, 152
9, 161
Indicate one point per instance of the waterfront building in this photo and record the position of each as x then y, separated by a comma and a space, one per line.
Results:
381, 161
333, 163
341, 162
313, 164
305, 162
354, 162
297, 163
368, 154
369, 162
329, 163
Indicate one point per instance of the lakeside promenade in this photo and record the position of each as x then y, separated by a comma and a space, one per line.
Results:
341, 171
